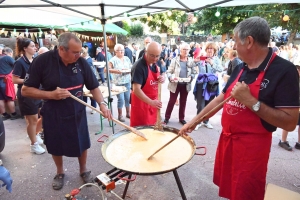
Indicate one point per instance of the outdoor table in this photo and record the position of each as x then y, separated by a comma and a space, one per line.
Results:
104, 90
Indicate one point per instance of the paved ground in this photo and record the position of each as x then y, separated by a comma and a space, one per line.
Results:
33, 174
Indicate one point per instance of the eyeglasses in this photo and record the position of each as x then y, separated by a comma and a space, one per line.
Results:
153, 56
76, 54
186, 49
120, 50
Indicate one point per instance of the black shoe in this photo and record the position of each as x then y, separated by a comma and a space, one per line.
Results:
285, 145
183, 122
5, 117
297, 145
166, 121
13, 117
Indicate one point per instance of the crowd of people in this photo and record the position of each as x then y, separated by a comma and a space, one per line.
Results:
259, 98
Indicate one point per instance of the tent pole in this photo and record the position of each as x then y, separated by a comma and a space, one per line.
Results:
110, 99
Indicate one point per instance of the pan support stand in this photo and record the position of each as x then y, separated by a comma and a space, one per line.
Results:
177, 181
111, 123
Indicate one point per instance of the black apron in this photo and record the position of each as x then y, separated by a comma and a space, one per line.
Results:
65, 121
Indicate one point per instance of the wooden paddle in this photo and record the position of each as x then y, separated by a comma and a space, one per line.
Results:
158, 126
196, 122
115, 120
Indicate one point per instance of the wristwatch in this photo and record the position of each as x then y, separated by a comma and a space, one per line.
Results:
102, 102
256, 106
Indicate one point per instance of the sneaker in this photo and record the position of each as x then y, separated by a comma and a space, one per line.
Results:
39, 139
37, 149
197, 127
121, 119
182, 121
208, 125
285, 145
13, 117
297, 145
6, 117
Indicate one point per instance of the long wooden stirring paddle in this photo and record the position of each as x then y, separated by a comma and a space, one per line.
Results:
139, 133
158, 126
196, 122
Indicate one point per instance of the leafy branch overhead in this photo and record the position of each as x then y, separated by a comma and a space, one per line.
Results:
179, 22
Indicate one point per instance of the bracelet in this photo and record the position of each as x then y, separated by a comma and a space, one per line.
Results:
102, 102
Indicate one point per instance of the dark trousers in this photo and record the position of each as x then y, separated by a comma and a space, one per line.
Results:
93, 102
101, 74
201, 102
183, 93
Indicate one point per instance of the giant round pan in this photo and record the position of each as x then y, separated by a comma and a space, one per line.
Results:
129, 152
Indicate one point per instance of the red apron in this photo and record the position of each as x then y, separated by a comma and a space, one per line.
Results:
142, 113
243, 150
9, 88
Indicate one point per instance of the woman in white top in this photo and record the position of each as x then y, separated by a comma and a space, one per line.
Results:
120, 67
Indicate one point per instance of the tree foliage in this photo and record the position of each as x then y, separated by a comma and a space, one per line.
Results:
163, 23
180, 22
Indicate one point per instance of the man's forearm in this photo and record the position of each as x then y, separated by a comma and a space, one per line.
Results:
35, 93
97, 95
285, 118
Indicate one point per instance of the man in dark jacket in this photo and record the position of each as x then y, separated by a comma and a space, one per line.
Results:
127, 51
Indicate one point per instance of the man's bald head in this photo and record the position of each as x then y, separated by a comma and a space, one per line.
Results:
42, 50
152, 51
147, 40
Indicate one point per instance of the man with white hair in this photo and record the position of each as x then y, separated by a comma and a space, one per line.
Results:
42, 50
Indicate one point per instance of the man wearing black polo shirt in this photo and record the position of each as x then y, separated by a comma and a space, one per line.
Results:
145, 76
62, 72
262, 94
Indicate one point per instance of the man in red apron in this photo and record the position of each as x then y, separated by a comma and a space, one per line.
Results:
62, 73
263, 95
145, 77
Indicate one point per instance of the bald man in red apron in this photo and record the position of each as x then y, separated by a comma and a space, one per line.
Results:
259, 102
144, 95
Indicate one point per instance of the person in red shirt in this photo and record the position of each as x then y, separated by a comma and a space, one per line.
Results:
259, 99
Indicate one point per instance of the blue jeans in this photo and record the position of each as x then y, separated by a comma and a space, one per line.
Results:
125, 96
101, 74
93, 102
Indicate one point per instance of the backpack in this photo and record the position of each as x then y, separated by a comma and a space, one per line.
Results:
212, 86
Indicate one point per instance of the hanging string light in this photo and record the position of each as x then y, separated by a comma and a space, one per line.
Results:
195, 18
149, 17
66, 28
285, 17
169, 13
217, 14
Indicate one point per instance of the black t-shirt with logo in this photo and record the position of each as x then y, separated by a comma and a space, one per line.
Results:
280, 85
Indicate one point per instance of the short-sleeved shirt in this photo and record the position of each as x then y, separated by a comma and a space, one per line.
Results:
139, 71
6, 64
280, 85
119, 65
21, 67
45, 68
